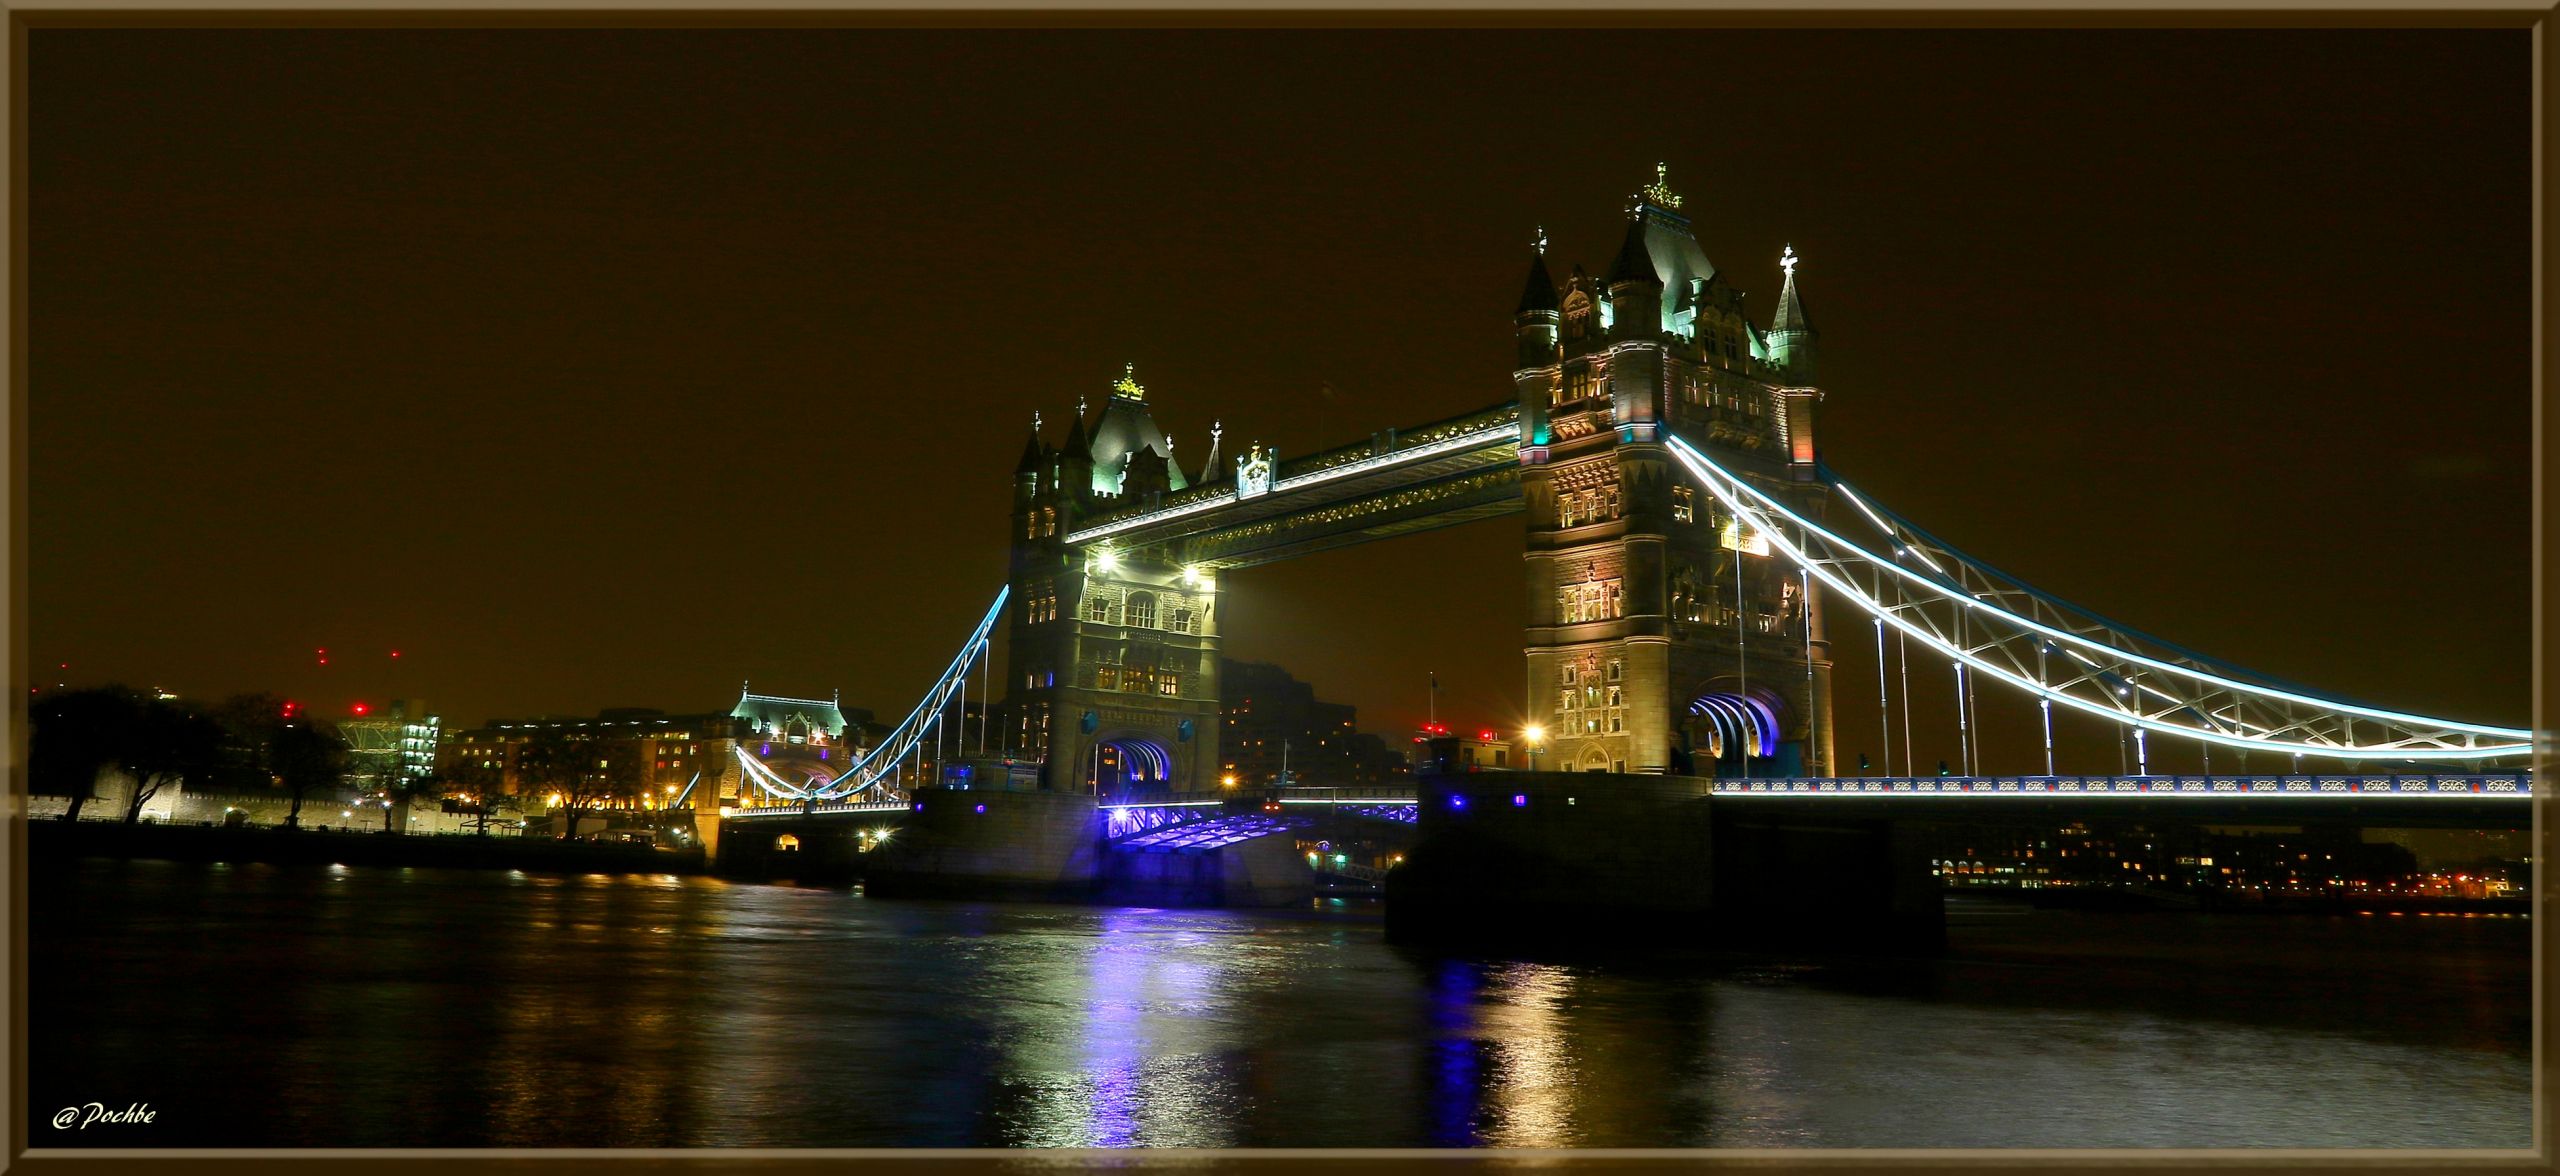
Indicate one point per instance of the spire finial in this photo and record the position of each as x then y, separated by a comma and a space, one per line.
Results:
1216, 428
1128, 385
1787, 261
1035, 420
1079, 406
1659, 193
1541, 242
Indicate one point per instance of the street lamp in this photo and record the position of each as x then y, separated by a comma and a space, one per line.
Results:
1534, 736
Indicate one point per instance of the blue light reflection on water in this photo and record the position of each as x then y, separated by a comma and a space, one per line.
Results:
268, 1006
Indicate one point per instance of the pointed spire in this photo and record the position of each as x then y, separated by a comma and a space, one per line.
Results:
1790, 306
1077, 444
1635, 262
1030, 462
1540, 291
1209, 467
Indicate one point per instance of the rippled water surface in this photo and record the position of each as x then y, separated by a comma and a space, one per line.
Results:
255, 1005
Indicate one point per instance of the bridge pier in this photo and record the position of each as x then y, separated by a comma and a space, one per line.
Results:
999, 845
1597, 859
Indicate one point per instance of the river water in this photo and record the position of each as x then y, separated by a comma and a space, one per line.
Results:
253, 1005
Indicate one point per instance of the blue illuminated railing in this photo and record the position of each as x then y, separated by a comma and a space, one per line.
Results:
800, 810
2500, 785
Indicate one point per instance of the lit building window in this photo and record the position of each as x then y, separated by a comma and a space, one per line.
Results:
1683, 504
1142, 610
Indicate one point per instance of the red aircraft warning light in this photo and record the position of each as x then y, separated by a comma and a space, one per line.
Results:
362, 708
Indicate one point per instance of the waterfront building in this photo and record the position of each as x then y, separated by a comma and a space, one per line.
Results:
687, 758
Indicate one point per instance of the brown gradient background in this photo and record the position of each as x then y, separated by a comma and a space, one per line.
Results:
594, 368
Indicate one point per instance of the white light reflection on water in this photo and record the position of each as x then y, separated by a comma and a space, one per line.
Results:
548, 1011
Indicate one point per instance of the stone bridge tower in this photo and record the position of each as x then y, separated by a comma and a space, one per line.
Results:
1662, 637
1112, 652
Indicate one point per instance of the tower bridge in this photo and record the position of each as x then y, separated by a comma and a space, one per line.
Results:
1682, 540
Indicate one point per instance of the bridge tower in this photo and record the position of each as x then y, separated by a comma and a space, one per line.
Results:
1660, 638
1112, 651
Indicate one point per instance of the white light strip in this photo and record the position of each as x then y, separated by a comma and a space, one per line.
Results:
1713, 476
1106, 530
1463, 441
908, 732
1698, 460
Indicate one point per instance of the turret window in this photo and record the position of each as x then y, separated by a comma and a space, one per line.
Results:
1684, 506
1142, 610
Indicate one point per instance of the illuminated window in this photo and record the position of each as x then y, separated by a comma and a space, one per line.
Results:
1142, 610
1178, 619
1169, 683
1683, 505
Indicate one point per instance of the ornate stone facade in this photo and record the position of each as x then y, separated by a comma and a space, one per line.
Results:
1659, 639
1112, 661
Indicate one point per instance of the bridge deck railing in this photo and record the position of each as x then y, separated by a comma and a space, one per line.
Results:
2514, 784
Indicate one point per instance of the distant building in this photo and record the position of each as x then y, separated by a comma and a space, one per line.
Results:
398, 740
1267, 716
1438, 749
693, 757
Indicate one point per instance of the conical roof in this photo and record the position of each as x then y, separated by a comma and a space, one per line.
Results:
1540, 292
1077, 444
1030, 462
1791, 315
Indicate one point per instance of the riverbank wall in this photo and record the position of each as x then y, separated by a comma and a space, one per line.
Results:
186, 843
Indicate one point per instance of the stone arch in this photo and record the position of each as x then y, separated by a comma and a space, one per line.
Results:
1739, 729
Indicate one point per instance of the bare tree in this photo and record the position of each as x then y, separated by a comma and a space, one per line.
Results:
308, 757
168, 740
476, 786
75, 736
581, 773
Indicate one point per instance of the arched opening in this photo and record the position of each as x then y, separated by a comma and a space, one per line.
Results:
787, 843
1732, 732
1130, 765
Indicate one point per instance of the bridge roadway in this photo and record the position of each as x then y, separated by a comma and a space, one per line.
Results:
2468, 801
2479, 800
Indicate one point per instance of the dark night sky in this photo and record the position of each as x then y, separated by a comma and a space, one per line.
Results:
611, 368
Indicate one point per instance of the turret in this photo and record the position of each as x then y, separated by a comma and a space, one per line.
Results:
1791, 333
1635, 291
1075, 459
1535, 322
1026, 472
1209, 467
